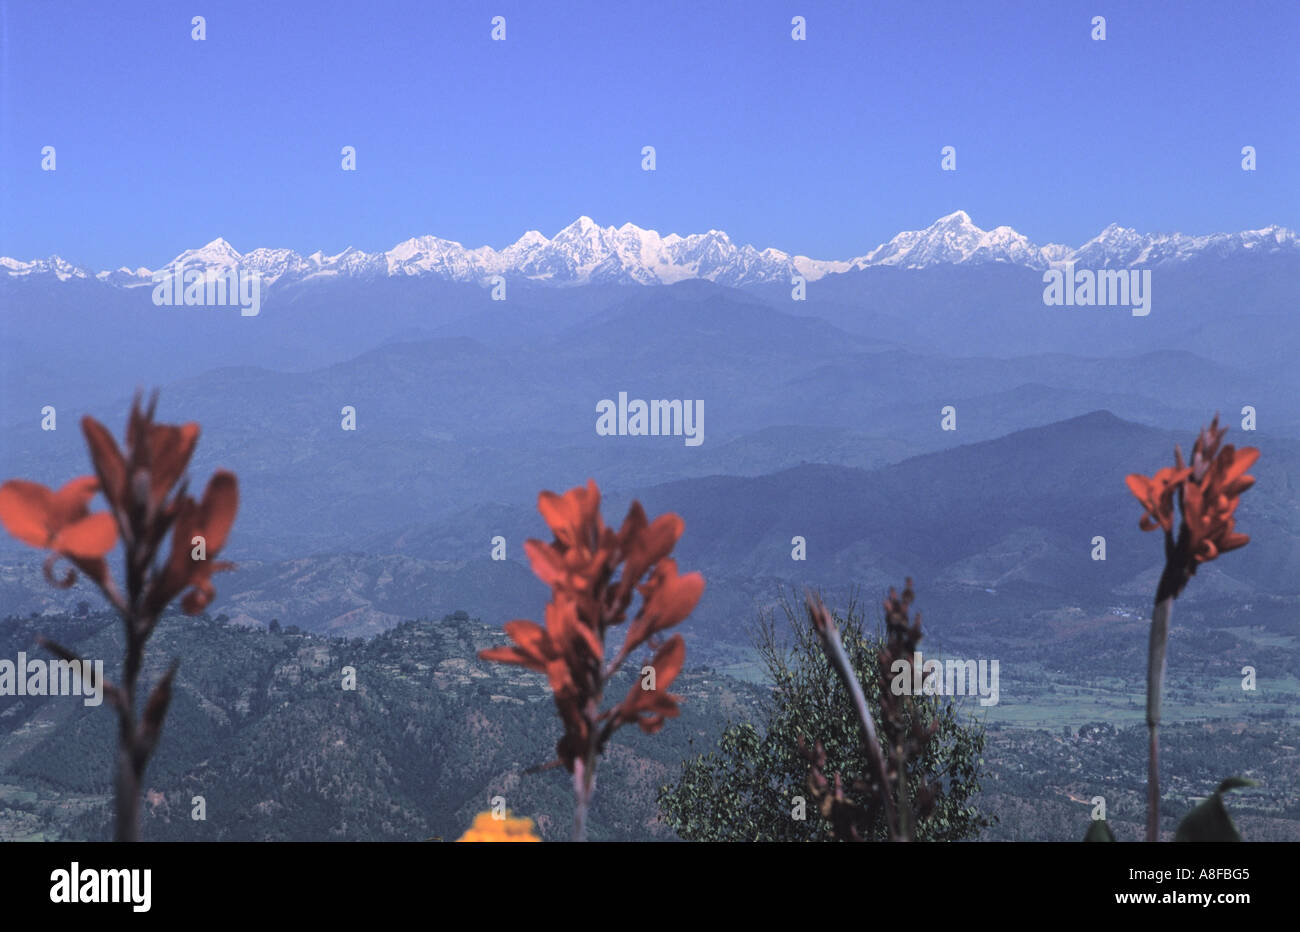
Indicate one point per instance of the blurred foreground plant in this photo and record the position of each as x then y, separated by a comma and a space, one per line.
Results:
147, 499
594, 572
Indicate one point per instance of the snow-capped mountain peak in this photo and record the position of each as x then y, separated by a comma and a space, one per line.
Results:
954, 240
55, 266
216, 255
958, 219
534, 238
584, 251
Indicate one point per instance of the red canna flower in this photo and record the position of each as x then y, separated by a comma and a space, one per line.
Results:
206, 524
159, 453
1157, 496
147, 499
60, 522
594, 573
1209, 505
1207, 490
649, 707
139, 483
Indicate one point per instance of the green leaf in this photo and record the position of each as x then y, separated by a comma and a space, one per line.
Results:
1099, 831
1210, 821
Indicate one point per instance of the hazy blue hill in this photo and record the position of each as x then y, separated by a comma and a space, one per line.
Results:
458, 432
1065, 481
1056, 487
1154, 386
449, 423
1232, 309
694, 323
1235, 309
1021, 509
300, 327
344, 594
1018, 511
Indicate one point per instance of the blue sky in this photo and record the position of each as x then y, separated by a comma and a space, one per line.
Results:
824, 147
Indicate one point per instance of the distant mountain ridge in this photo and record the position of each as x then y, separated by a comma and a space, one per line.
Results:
585, 252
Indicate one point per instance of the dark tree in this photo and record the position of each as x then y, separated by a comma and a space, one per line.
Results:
750, 787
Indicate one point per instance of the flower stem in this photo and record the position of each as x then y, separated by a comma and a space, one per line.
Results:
584, 781
127, 786
1156, 651
127, 782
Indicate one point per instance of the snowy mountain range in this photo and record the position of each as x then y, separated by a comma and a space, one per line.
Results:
585, 252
